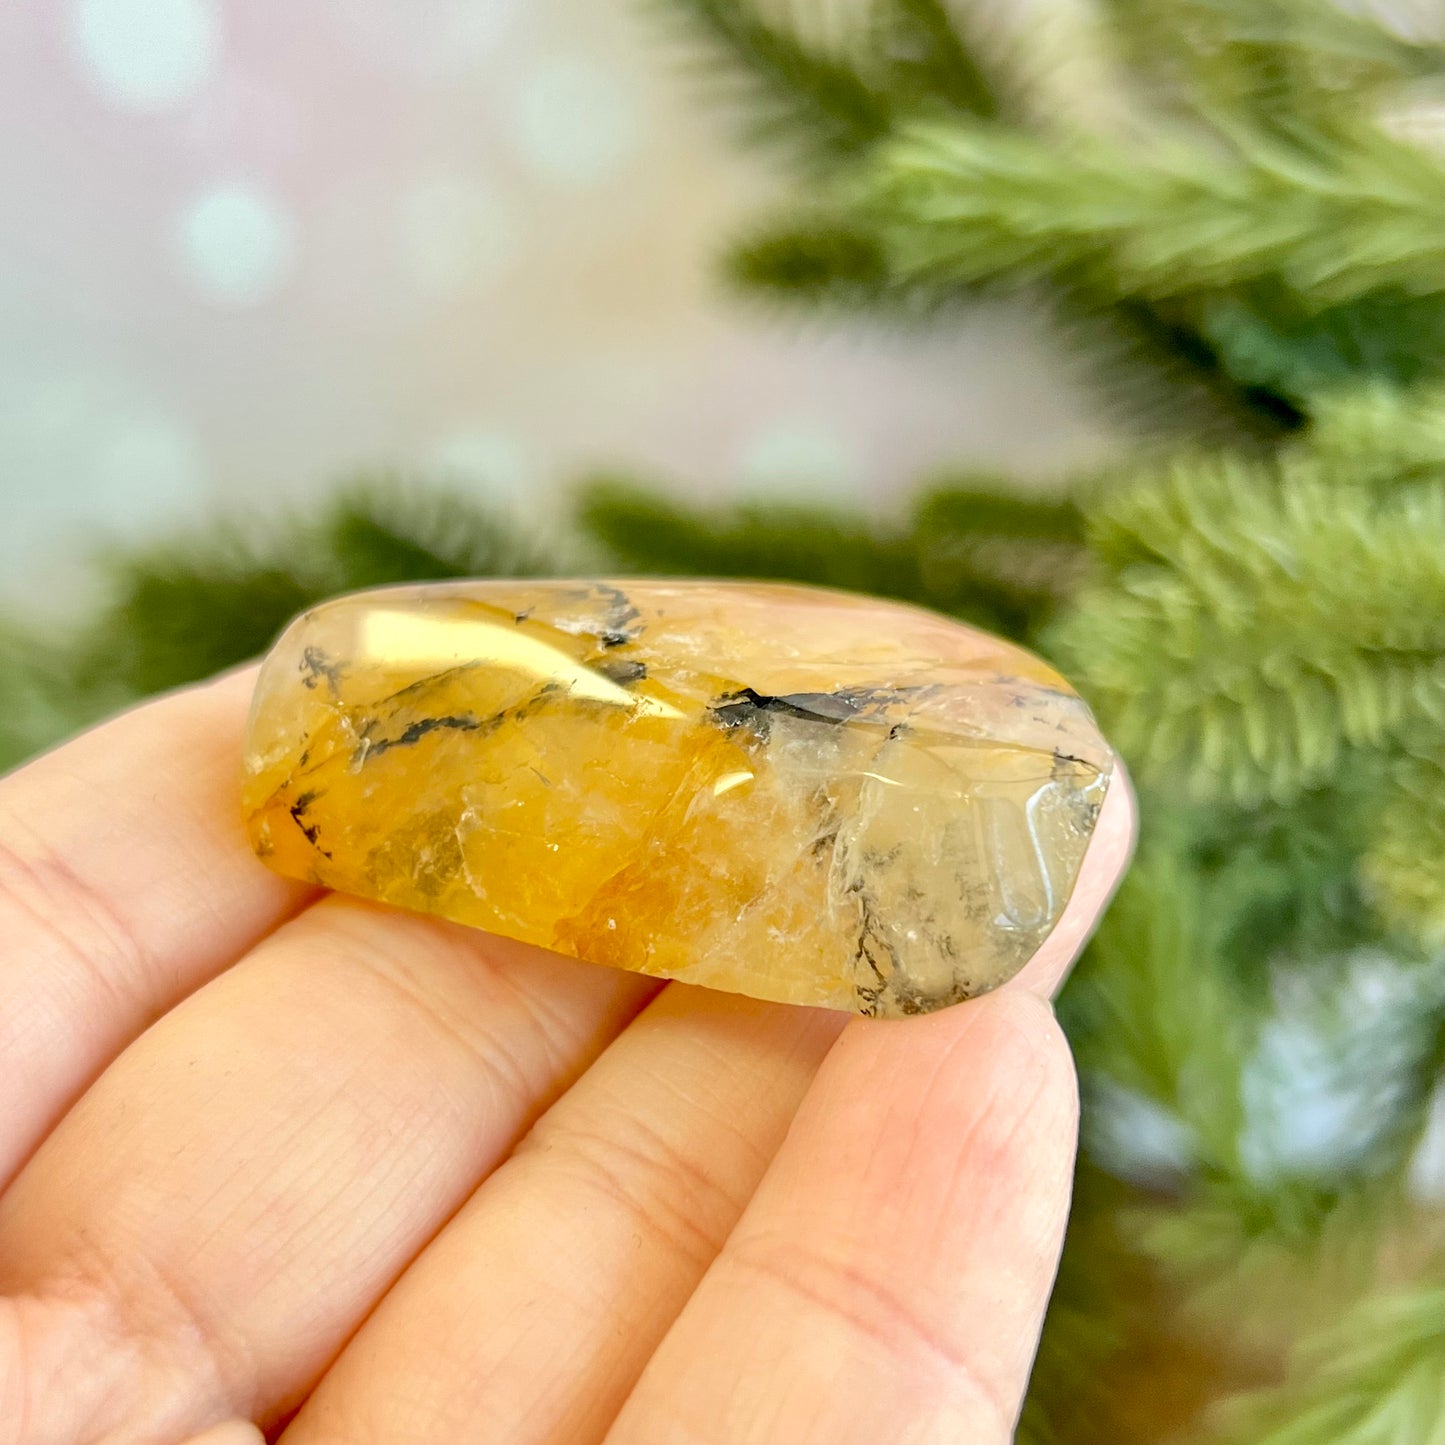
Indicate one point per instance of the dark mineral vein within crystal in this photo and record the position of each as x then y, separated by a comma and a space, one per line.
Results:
795, 794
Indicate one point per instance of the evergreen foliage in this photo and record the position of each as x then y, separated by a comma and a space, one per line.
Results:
1251, 249
1251, 228
980, 550
194, 605
1260, 626
1372, 1378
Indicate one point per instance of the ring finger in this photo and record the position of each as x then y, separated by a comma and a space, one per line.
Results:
609, 1212
207, 1226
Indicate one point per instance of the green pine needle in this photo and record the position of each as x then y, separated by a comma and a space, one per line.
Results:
788, 90
811, 260
1202, 685
931, 62
1374, 1377
831, 100
970, 202
986, 554
189, 607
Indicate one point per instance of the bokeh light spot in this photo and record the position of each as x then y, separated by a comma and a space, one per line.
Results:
457, 235
574, 122
494, 464
237, 243
152, 456
440, 40
801, 459
97, 450
146, 54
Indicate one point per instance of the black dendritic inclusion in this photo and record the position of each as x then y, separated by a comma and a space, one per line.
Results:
604, 613
371, 747
316, 665
623, 671
750, 709
415, 732
880, 981
298, 816
622, 622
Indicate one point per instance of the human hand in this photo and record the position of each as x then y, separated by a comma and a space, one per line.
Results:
361, 1176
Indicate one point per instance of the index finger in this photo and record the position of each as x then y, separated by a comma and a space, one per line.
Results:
889, 1278
125, 882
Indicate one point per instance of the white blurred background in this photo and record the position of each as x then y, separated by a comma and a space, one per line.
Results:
247, 246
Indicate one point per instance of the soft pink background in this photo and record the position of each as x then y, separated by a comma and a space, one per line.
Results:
247, 245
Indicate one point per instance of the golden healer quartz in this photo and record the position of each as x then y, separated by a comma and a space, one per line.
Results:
795, 794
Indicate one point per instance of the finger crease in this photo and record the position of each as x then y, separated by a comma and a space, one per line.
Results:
671, 1194
534, 1033
863, 1304
73, 913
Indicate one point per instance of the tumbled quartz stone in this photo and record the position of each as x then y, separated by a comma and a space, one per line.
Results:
785, 792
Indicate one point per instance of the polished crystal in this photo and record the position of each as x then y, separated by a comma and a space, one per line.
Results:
796, 794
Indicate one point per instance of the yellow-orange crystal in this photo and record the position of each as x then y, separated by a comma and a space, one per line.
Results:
795, 794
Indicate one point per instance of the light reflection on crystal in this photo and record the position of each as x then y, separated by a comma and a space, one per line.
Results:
798, 795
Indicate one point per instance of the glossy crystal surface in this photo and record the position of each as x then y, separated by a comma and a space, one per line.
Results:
800, 795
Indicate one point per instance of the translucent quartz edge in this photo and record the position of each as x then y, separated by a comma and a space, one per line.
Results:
308, 731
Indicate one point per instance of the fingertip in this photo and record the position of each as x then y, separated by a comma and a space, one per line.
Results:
905, 1239
990, 1080
237, 680
1020, 1042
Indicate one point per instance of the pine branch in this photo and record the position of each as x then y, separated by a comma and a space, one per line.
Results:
1283, 880
1001, 510
988, 555
1167, 379
831, 102
1374, 1377
930, 64
968, 203
1228, 268
384, 529
184, 609
1270, 346
1372, 436
1251, 359
790, 91
1292, 268
1275, 62
816, 260
1161, 377
648, 532
1346, 50
1405, 844
181, 614
1019, 556
1203, 684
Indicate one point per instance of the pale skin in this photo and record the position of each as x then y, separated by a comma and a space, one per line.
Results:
282, 1165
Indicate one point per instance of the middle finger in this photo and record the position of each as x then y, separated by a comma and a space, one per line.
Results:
239, 1188
530, 1317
